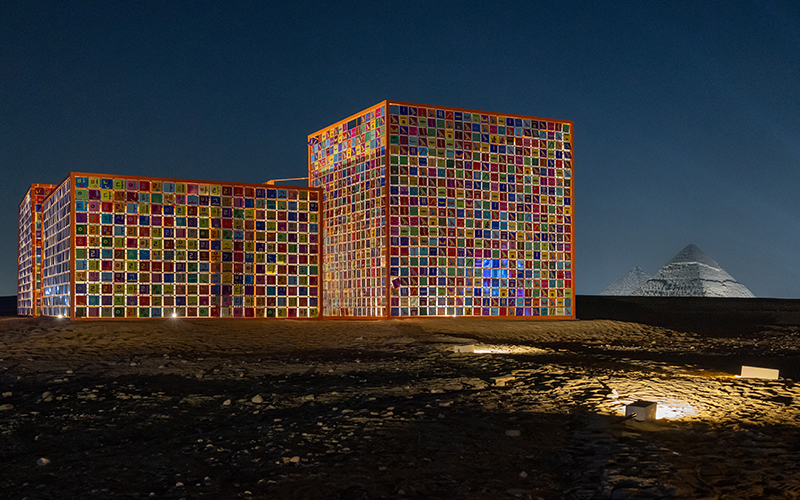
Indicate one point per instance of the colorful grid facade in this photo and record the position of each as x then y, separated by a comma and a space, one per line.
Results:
57, 251
152, 247
349, 161
478, 218
29, 255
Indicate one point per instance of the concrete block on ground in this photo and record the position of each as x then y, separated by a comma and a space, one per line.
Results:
643, 410
756, 372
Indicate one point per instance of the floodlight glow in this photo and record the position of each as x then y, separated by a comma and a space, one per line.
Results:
506, 349
673, 409
174, 315
667, 408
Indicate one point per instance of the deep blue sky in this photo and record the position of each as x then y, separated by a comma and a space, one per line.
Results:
687, 116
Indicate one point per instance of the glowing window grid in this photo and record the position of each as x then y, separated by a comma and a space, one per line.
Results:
57, 251
348, 161
29, 256
151, 247
433, 211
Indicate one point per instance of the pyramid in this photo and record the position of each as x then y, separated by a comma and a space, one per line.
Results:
627, 283
692, 273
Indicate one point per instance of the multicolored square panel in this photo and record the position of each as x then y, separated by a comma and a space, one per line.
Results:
57, 251
348, 160
153, 247
433, 211
29, 255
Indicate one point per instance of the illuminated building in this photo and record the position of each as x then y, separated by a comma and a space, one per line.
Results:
433, 211
425, 211
29, 255
137, 247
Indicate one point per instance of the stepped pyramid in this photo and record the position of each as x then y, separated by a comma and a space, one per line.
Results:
628, 283
692, 273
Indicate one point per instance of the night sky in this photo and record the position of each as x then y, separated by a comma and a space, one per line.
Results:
687, 116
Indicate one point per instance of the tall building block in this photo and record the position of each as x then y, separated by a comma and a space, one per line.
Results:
57, 251
348, 160
135, 247
433, 211
29, 255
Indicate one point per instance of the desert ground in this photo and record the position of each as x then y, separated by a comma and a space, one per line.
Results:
387, 409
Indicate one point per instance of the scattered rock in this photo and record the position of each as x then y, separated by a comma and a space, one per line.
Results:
42, 462
513, 433
257, 399
504, 380
7, 406
227, 402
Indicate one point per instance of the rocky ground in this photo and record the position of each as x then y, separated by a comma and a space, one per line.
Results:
387, 409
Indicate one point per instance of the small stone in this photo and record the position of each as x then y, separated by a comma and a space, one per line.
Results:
227, 402
257, 399
294, 459
178, 484
45, 394
513, 433
42, 462
6, 407
523, 474
503, 381
69, 371
7, 394
133, 364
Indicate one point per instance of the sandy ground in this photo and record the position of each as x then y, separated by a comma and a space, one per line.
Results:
386, 409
